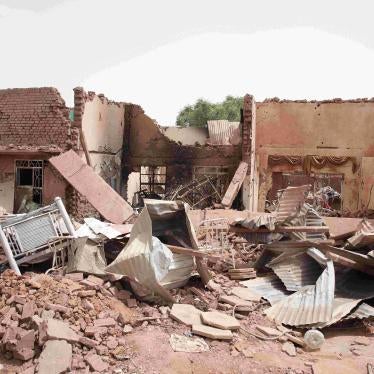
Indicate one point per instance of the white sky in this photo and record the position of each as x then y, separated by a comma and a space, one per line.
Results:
165, 54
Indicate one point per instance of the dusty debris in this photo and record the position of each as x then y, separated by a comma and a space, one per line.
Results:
181, 343
289, 348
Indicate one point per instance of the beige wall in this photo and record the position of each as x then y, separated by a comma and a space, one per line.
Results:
187, 135
103, 124
324, 129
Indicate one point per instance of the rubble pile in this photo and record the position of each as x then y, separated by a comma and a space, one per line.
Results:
74, 323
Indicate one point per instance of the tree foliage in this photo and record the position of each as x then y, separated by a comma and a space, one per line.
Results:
199, 113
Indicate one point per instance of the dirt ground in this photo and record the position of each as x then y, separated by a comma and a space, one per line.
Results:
344, 352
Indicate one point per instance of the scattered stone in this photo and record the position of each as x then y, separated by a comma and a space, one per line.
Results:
24, 354
56, 357
127, 329
181, 343
103, 322
93, 279
56, 329
88, 342
186, 313
112, 343
96, 363
86, 293
74, 276
361, 341
57, 308
269, 331
240, 304
87, 305
212, 332
131, 303
120, 353
93, 330
220, 320
289, 348
28, 310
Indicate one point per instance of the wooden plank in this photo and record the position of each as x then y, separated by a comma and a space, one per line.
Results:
236, 183
89, 184
191, 252
308, 229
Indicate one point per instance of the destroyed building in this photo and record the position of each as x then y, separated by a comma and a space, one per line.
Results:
218, 267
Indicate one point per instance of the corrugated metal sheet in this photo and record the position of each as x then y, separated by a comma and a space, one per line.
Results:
361, 312
309, 305
296, 271
270, 288
364, 237
223, 132
312, 218
290, 202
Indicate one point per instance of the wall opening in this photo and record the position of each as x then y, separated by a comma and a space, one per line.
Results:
327, 189
29, 182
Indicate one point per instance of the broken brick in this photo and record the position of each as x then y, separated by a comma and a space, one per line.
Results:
96, 363
104, 322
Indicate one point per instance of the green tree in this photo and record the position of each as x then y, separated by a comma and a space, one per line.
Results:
202, 111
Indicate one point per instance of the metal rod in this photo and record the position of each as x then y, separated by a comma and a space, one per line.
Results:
8, 252
65, 217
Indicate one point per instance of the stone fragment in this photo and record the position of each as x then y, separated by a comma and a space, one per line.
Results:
33, 283
87, 305
220, 320
131, 303
88, 342
120, 353
102, 350
74, 276
96, 363
56, 357
57, 308
112, 343
268, 331
28, 310
26, 340
96, 280
86, 293
102, 322
245, 294
186, 313
127, 329
93, 330
24, 354
47, 314
56, 329
212, 332
289, 348
240, 304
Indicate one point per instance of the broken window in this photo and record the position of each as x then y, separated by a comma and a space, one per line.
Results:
29, 173
153, 180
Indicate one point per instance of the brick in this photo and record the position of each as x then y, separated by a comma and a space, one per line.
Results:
96, 280
93, 330
131, 303
86, 293
28, 310
104, 322
57, 308
88, 342
96, 363
24, 354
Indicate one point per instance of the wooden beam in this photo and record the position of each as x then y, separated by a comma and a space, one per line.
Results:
307, 229
191, 252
